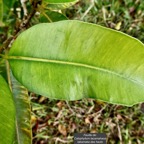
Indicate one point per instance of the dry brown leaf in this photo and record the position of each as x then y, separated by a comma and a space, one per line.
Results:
60, 104
62, 129
93, 131
118, 26
87, 120
33, 119
42, 98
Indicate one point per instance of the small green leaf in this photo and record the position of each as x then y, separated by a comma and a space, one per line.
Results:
52, 16
7, 114
71, 60
59, 1
8, 3
59, 6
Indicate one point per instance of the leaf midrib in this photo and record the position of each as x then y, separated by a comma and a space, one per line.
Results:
73, 64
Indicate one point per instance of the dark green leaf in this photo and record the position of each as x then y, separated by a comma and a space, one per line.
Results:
3, 69
52, 16
23, 115
71, 60
9, 3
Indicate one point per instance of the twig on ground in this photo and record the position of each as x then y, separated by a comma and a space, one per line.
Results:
89, 8
62, 141
70, 107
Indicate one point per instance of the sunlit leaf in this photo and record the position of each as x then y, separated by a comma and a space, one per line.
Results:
59, 6
7, 114
59, 1
71, 60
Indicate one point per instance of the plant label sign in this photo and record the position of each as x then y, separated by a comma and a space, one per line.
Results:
89, 138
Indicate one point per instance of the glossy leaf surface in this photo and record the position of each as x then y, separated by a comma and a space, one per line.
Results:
7, 114
71, 60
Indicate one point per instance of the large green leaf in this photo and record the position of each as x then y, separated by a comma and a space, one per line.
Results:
23, 115
71, 60
7, 114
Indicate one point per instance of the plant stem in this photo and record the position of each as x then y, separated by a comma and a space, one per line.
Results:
8, 75
23, 25
49, 19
